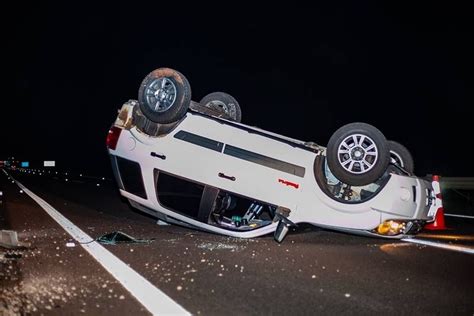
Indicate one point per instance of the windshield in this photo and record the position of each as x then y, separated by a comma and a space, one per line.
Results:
343, 192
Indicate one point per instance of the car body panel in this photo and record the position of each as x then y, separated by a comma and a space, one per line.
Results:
262, 166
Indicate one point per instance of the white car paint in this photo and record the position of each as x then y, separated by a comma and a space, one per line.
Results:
307, 202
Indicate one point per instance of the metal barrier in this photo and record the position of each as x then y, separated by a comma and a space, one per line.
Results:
458, 194
460, 183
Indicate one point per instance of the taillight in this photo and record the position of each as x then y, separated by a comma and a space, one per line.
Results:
113, 137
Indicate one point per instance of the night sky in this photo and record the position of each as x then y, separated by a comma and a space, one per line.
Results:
297, 71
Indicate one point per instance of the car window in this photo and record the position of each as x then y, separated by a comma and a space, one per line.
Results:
199, 140
347, 193
179, 194
343, 192
131, 176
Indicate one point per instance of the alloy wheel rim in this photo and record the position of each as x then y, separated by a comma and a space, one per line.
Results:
357, 153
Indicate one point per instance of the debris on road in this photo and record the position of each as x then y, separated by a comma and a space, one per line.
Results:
162, 223
121, 238
9, 239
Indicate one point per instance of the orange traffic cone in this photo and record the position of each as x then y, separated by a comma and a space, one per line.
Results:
438, 223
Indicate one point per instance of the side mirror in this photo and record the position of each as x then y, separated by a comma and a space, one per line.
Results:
284, 223
281, 231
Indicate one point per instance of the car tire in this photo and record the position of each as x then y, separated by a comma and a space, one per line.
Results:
164, 96
358, 154
401, 156
148, 127
224, 103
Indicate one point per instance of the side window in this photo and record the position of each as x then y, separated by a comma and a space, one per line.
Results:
199, 140
178, 194
131, 177
342, 192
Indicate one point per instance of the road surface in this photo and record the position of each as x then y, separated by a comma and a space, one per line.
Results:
312, 272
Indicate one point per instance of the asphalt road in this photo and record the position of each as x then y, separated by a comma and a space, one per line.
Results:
312, 272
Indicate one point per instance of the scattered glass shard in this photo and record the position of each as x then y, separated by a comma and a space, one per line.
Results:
121, 238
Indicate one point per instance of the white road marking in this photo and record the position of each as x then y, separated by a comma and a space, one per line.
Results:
457, 215
152, 298
440, 245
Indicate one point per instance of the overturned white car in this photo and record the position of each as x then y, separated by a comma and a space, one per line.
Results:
195, 164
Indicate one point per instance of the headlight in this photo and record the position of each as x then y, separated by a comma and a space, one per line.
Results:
391, 228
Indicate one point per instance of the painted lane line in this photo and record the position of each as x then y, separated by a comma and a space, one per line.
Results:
457, 215
152, 298
440, 245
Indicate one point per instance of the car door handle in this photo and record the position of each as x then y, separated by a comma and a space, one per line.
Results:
153, 154
222, 175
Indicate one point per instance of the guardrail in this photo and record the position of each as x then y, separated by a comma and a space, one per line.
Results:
458, 196
460, 183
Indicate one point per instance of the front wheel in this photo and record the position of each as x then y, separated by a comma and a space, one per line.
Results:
358, 154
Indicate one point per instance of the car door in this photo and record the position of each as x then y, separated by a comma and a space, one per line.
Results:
262, 168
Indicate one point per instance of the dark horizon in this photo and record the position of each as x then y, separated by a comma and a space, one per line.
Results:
298, 72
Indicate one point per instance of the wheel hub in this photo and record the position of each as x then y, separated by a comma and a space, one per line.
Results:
228, 109
161, 94
357, 153
218, 105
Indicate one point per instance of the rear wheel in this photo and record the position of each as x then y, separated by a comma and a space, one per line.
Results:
164, 96
224, 103
401, 156
358, 154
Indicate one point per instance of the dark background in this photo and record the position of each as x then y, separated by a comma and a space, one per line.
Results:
299, 71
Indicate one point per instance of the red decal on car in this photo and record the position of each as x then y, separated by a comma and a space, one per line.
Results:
291, 184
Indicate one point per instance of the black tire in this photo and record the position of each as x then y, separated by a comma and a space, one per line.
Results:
224, 103
164, 96
148, 127
356, 165
401, 156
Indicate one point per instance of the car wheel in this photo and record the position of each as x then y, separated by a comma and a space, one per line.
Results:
358, 154
401, 156
224, 103
164, 96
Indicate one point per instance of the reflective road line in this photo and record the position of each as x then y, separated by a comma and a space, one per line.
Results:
152, 298
440, 245
457, 215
